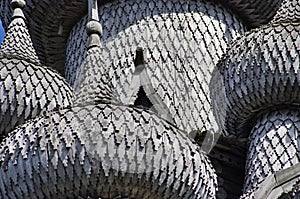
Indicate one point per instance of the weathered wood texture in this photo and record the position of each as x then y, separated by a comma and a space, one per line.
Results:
182, 42
274, 145
94, 84
103, 148
294, 193
257, 85
103, 151
228, 158
47, 16
260, 71
27, 88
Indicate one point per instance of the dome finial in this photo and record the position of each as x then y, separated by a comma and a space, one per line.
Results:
92, 89
17, 42
18, 4
93, 27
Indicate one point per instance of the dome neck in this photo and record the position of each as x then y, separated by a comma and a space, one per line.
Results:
94, 84
289, 11
93, 27
17, 42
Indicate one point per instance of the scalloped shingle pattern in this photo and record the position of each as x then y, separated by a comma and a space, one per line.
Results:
255, 13
48, 14
260, 71
28, 90
289, 11
93, 83
84, 150
18, 42
183, 42
103, 151
257, 82
273, 146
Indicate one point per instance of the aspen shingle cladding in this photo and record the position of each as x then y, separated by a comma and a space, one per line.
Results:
27, 89
46, 17
93, 82
103, 151
259, 72
18, 42
273, 146
182, 45
256, 89
66, 121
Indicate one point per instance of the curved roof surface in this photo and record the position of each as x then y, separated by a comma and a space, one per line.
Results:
51, 21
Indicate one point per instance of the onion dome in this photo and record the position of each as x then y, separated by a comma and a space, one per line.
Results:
260, 72
256, 95
17, 42
93, 84
103, 151
51, 21
181, 44
273, 147
27, 88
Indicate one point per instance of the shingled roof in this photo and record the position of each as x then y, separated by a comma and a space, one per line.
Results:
51, 21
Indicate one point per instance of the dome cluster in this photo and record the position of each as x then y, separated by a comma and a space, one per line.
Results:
99, 147
142, 80
260, 71
56, 18
182, 44
257, 84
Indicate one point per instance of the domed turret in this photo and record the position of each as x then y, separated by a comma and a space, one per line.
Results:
51, 22
27, 88
187, 24
102, 150
18, 42
181, 42
256, 89
259, 72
